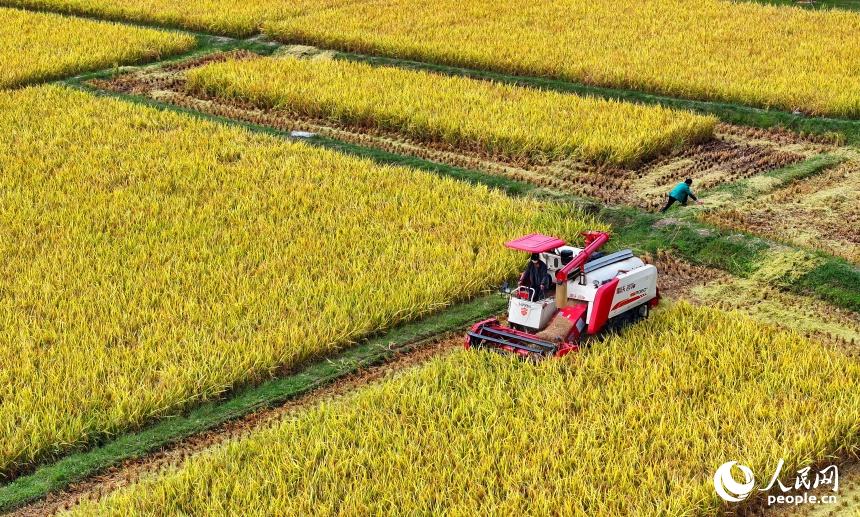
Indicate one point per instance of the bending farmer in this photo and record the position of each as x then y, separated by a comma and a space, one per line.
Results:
680, 194
536, 277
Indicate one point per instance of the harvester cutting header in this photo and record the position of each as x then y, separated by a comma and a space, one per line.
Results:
590, 290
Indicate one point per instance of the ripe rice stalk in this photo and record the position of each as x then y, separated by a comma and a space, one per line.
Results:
635, 425
150, 260
501, 120
740, 52
37, 47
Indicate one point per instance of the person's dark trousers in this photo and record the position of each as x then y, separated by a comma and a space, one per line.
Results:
669, 203
537, 294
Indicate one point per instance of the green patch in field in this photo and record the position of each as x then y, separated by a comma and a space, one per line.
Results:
836, 281
848, 5
694, 242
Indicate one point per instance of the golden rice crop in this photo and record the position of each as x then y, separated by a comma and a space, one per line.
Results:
239, 19
636, 425
151, 260
742, 52
499, 119
41, 46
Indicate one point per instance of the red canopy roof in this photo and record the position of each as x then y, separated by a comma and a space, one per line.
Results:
535, 243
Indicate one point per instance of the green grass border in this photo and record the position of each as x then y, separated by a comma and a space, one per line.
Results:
845, 5
76, 467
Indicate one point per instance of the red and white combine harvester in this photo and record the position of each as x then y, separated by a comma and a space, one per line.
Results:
591, 290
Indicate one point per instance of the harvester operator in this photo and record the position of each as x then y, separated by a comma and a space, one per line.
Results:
536, 277
680, 194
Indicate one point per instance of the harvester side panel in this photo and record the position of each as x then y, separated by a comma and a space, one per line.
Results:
634, 289
601, 306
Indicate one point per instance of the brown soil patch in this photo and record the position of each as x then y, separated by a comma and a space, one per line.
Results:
733, 153
676, 277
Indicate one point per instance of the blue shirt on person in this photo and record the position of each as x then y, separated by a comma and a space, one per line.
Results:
681, 192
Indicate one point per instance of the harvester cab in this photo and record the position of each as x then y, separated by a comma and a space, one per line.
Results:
591, 290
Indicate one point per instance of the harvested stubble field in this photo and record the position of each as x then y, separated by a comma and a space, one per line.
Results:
764, 296
732, 154
821, 212
643, 420
152, 260
36, 47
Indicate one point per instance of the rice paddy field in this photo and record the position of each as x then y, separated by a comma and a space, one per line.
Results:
684, 48
821, 212
507, 121
36, 47
228, 18
631, 428
237, 265
142, 272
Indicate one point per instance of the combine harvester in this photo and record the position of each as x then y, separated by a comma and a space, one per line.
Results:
592, 290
